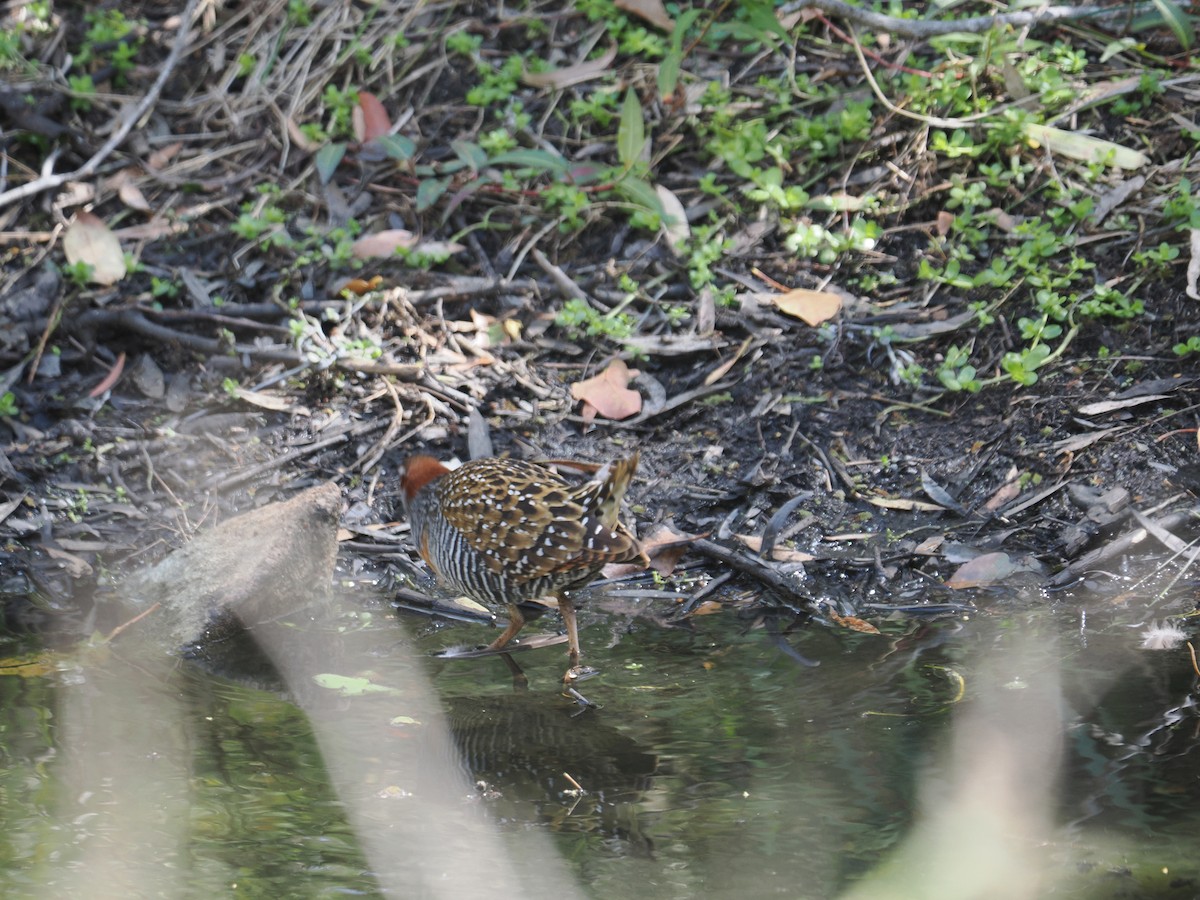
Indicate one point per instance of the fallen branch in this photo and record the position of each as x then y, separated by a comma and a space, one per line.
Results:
916, 28
756, 568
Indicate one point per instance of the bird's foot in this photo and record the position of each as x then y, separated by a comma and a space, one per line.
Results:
574, 675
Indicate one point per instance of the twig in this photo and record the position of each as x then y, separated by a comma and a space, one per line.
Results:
918, 28
49, 181
756, 568
135, 320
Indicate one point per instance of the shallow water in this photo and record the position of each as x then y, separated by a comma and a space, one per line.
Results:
718, 765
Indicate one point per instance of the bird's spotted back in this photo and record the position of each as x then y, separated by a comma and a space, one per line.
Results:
527, 522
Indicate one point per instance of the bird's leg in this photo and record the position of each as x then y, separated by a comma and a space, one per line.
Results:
567, 609
575, 672
516, 622
520, 682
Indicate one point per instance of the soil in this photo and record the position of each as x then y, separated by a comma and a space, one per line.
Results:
141, 420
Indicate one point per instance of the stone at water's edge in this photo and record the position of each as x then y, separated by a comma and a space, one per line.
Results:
254, 567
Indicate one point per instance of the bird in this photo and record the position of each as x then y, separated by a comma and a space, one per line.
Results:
506, 531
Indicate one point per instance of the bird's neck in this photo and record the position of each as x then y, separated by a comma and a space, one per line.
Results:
418, 472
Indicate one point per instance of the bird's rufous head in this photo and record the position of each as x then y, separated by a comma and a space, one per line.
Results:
418, 471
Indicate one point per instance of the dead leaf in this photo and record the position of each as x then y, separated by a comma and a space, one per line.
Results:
359, 286
1193, 269
985, 569
89, 240
814, 307
127, 189
383, 244
665, 546
854, 623
159, 158
651, 10
153, 230
674, 223
572, 75
1083, 147
1106, 406
439, 248
902, 504
779, 554
608, 393
267, 400
707, 608
370, 118
300, 139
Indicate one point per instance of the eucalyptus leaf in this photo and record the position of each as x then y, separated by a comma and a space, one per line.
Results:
327, 160
631, 133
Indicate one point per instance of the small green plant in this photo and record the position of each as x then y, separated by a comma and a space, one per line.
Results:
79, 274
956, 373
1191, 345
163, 287
82, 89
579, 319
8, 404
252, 225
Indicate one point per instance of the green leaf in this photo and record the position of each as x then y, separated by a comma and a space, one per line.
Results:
328, 158
631, 133
470, 153
1178, 21
351, 687
396, 146
668, 69
640, 193
429, 190
539, 160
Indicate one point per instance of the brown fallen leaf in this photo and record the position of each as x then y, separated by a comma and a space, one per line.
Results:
382, 244
370, 119
814, 307
89, 240
779, 554
652, 11
707, 608
986, 568
608, 393
572, 75
360, 286
854, 623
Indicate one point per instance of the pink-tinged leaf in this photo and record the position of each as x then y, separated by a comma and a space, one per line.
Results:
609, 393
382, 244
89, 240
572, 75
985, 569
370, 118
651, 10
814, 307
